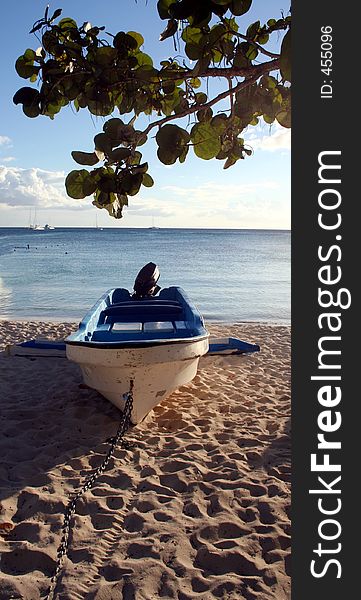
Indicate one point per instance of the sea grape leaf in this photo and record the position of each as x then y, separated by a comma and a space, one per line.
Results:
167, 156
285, 58
284, 118
67, 23
119, 154
80, 184
206, 142
163, 8
31, 110
137, 36
85, 158
147, 180
103, 143
26, 96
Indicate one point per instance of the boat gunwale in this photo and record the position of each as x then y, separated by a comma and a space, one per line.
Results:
117, 345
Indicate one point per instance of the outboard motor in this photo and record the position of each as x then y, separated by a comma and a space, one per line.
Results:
145, 285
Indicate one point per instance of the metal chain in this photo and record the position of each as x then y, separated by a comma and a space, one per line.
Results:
89, 482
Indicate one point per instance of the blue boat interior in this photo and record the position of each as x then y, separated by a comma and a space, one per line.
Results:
117, 318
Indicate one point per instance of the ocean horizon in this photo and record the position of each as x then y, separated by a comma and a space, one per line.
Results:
232, 275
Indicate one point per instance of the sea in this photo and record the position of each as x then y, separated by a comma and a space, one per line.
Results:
232, 276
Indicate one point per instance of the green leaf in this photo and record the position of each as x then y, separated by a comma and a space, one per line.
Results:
284, 118
285, 58
193, 52
108, 183
131, 183
105, 56
195, 83
26, 96
147, 73
268, 118
262, 38
80, 184
103, 143
55, 14
24, 65
138, 38
206, 142
201, 66
31, 110
240, 60
219, 123
101, 108
143, 168
147, 180
143, 59
163, 8
167, 156
67, 23
192, 35
113, 128
85, 158
205, 114
230, 162
170, 30
183, 154
119, 154
50, 42
201, 97
253, 29
171, 136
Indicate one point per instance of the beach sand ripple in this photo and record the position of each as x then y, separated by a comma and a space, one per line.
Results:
197, 508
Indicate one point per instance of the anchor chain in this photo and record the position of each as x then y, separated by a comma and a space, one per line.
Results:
89, 482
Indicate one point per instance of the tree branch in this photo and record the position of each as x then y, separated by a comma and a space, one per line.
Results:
258, 46
258, 71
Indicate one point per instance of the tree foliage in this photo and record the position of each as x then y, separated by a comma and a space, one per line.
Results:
111, 75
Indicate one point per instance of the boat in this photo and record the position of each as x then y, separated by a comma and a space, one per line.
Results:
153, 226
149, 341
32, 223
48, 227
97, 227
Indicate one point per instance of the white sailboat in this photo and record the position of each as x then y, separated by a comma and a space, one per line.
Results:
96, 223
33, 225
153, 226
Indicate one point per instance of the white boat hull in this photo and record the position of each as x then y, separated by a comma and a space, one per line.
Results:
156, 371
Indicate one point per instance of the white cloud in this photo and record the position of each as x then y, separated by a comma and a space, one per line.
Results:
35, 187
8, 158
4, 139
219, 193
151, 207
277, 138
252, 204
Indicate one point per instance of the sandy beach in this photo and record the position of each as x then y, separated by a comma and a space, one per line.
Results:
197, 508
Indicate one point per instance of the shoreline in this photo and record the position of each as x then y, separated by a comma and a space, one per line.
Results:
199, 507
58, 320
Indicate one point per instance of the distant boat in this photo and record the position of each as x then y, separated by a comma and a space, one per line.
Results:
32, 223
48, 227
96, 223
153, 226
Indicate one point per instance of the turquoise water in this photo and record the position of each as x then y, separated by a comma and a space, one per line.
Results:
231, 275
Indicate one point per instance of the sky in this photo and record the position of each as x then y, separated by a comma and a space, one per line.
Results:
35, 153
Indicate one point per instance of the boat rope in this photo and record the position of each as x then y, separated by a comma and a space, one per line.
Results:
115, 441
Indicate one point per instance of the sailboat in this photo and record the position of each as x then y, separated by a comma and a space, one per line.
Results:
33, 225
153, 226
96, 223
